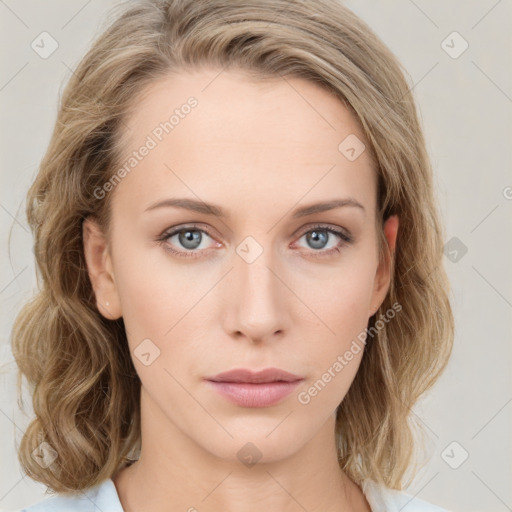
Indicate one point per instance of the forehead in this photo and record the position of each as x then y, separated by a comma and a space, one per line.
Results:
247, 138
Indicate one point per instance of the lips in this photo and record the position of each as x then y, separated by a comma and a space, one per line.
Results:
248, 376
246, 388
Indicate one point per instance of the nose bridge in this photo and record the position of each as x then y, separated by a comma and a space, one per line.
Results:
258, 302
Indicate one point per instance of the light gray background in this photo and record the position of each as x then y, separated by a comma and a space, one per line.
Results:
466, 106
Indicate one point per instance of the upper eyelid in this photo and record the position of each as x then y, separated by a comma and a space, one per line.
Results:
193, 227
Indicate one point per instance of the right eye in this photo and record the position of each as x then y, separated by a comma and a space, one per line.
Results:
189, 237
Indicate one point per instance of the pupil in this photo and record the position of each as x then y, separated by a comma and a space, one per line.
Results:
190, 239
317, 236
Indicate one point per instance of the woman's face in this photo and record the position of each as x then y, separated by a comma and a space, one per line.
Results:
260, 283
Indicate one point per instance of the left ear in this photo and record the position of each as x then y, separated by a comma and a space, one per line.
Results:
100, 270
383, 274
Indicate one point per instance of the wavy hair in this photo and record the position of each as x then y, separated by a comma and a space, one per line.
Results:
84, 388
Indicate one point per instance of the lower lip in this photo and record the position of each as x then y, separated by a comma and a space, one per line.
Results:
246, 394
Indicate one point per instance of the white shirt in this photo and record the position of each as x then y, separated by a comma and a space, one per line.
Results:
104, 497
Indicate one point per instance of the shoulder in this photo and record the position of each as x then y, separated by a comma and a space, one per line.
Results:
383, 499
101, 497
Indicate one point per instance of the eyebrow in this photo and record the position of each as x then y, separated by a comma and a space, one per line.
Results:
217, 211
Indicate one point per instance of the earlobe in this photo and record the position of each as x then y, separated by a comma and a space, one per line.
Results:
100, 270
383, 275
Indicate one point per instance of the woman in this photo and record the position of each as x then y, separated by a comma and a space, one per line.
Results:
242, 292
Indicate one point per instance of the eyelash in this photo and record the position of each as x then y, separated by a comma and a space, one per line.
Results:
345, 240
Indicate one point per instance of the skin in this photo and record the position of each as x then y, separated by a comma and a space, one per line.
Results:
259, 149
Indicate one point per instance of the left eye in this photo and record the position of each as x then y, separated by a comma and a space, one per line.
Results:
318, 237
191, 238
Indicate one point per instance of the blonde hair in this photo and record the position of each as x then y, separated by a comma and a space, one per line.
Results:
85, 390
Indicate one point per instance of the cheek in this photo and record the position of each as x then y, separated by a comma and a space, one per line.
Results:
145, 299
162, 302
159, 326
342, 310
342, 301
153, 292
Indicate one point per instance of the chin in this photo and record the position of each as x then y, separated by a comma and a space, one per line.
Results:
250, 446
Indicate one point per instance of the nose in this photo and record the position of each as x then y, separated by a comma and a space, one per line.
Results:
257, 300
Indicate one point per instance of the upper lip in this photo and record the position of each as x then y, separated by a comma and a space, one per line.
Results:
244, 375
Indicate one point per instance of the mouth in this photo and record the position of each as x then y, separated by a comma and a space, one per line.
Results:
255, 389
242, 375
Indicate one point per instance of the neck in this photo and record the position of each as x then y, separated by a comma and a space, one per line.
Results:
181, 475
